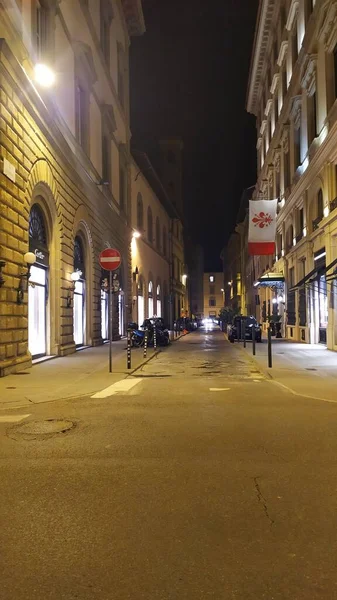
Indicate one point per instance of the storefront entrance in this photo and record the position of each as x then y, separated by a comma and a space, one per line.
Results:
79, 316
38, 285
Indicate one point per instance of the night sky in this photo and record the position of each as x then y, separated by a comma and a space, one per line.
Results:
189, 75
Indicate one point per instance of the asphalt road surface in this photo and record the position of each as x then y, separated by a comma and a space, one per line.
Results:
202, 479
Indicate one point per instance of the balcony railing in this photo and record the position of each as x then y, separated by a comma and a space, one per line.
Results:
333, 204
299, 237
316, 222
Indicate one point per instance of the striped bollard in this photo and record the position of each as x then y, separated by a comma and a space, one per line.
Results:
128, 350
145, 342
154, 337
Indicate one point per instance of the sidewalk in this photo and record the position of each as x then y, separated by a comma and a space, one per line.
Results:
80, 374
306, 369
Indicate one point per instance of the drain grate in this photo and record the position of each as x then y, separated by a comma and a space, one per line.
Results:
41, 429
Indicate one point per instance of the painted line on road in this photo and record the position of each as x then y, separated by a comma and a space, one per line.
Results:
125, 385
12, 418
219, 389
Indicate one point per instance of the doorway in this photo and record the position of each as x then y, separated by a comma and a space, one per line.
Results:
38, 285
79, 310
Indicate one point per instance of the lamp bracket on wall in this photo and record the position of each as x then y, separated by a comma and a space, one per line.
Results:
75, 276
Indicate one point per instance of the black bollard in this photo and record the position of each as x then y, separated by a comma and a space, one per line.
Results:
128, 350
253, 340
145, 342
243, 327
270, 358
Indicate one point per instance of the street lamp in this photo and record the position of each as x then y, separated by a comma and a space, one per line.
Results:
136, 234
75, 276
44, 75
29, 258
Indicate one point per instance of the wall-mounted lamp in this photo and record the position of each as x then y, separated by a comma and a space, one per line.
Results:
29, 258
136, 234
75, 276
44, 75
2, 264
184, 279
230, 283
135, 274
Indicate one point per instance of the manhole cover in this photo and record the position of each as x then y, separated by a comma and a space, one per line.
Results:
47, 428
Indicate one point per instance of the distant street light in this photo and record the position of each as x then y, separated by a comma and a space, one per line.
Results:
136, 234
44, 75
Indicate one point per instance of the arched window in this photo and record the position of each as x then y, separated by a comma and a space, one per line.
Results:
158, 240
79, 294
150, 314
149, 225
79, 256
320, 208
37, 228
140, 212
164, 241
140, 301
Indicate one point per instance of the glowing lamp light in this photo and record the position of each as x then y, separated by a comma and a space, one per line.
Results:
29, 258
294, 241
76, 276
326, 211
274, 300
304, 231
136, 235
44, 75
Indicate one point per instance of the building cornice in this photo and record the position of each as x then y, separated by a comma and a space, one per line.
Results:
134, 17
262, 34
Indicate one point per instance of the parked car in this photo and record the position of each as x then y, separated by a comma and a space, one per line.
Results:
244, 325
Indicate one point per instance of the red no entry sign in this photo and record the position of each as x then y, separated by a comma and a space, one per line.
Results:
110, 259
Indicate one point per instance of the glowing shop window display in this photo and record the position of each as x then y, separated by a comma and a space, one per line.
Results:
79, 313
37, 311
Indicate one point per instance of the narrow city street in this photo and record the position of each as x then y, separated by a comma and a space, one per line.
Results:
196, 477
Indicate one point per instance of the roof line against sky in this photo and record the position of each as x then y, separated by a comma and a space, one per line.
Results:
261, 39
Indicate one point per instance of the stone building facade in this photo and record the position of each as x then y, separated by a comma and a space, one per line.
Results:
65, 173
214, 294
292, 92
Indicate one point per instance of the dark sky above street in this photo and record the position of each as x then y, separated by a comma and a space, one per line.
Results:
189, 75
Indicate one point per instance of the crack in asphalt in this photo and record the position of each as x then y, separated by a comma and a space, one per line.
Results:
262, 500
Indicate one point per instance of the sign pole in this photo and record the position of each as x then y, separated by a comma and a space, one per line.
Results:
110, 321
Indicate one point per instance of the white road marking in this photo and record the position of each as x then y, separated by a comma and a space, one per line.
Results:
12, 418
125, 385
219, 389
257, 380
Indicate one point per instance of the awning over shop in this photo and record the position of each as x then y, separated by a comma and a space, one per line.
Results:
272, 280
314, 274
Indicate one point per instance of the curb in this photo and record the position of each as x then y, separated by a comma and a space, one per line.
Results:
124, 375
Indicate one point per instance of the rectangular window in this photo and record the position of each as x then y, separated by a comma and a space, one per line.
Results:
212, 302
212, 290
82, 116
286, 170
121, 90
211, 278
284, 81
40, 16
297, 148
294, 46
105, 34
106, 160
301, 220
312, 118
122, 189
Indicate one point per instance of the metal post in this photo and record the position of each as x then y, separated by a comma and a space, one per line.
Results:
154, 337
110, 321
270, 358
253, 340
145, 342
244, 332
128, 349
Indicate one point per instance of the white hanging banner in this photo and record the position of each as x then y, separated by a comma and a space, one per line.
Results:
262, 227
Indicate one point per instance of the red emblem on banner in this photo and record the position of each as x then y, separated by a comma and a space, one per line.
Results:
262, 220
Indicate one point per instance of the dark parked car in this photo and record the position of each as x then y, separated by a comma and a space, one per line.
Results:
244, 325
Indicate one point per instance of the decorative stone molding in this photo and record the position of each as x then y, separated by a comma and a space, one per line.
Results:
295, 112
268, 107
308, 81
282, 53
274, 83
263, 126
109, 117
293, 10
277, 159
259, 143
285, 139
327, 32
